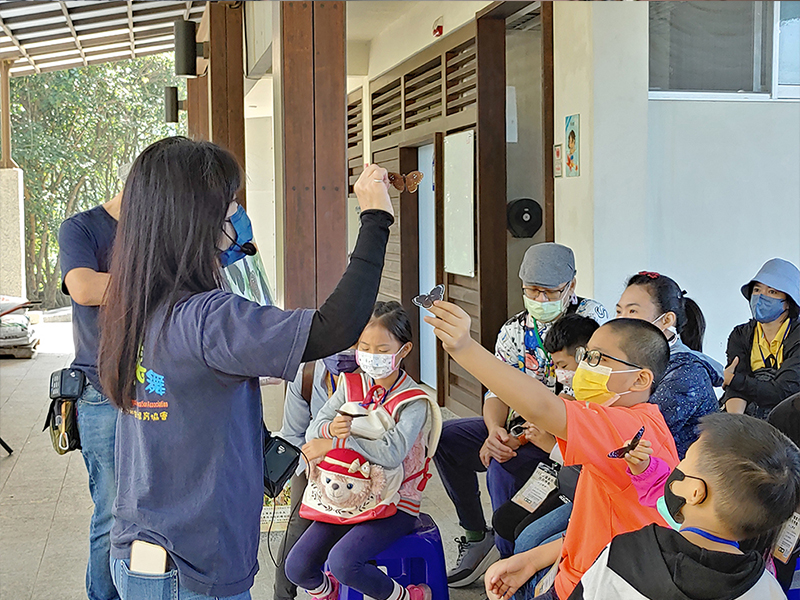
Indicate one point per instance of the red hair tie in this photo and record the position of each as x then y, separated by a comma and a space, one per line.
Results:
650, 274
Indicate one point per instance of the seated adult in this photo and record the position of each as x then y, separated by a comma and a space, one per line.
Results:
511, 521
764, 353
314, 384
686, 392
472, 445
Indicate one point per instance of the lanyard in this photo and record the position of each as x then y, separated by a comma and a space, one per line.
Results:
711, 537
375, 387
774, 356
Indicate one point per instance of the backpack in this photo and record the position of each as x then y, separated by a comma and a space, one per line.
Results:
344, 487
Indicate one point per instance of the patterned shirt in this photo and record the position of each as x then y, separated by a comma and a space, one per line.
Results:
520, 340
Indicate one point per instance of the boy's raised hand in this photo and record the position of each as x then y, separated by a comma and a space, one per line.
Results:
451, 324
638, 459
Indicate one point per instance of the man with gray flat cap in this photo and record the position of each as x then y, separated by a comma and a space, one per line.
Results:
472, 445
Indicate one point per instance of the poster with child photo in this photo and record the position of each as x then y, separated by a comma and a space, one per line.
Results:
572, 134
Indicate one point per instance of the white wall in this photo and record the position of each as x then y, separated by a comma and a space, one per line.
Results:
260, 167
411, 32
524, 157
724, 196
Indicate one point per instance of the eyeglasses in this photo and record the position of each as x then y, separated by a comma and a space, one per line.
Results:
551, 295
593, 358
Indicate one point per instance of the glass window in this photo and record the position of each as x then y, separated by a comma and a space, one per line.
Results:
714, 46
789, 44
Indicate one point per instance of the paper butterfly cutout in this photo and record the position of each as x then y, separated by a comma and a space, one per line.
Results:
408, 182
621, 452
427, 300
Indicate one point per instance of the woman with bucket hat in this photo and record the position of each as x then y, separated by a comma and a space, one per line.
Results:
764, 353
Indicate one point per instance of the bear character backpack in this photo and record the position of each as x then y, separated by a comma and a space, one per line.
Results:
344, 488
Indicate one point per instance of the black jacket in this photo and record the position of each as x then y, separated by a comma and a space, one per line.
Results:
765, 394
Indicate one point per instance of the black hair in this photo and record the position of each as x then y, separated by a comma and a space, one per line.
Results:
572, 135
668, 297
394, 318
794, 310
754, 470
174, 204
568, 333
643, 344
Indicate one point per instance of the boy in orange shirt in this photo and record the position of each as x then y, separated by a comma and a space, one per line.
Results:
624, 360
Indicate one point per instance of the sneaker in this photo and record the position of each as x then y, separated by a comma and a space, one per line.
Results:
334, 595
419, 592
473, 560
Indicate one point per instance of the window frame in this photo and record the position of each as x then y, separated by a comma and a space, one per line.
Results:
777, 93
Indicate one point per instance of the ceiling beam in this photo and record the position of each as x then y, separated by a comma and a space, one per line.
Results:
130, 29
19, 46
65, 10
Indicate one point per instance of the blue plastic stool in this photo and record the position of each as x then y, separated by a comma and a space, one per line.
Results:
414, 559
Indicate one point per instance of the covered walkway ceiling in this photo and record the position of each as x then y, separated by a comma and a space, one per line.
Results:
49, 36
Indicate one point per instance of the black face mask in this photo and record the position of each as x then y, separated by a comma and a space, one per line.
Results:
674, 502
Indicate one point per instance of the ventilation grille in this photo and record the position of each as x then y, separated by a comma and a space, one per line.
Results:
461, 77
423, 93
387, 110
355, 138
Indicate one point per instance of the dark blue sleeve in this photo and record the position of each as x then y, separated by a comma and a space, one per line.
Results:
240, 337
77, 248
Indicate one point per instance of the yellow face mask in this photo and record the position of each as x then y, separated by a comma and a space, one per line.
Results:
590, 384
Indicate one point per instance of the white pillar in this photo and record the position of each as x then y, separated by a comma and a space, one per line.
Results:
601, 73
12, 233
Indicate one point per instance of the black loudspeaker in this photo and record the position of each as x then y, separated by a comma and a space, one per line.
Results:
524, 217
171, 104
185, 48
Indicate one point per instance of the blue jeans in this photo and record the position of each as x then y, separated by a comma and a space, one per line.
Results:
527, 591
97, 424
135, 586
544, 528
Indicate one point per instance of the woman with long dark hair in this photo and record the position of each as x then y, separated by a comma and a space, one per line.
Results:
181, 358
686, 391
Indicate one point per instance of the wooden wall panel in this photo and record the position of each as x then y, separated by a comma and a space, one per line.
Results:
197, 107
548, 121
297, 85
330, 145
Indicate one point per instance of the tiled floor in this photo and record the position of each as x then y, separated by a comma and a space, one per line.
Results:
44, 499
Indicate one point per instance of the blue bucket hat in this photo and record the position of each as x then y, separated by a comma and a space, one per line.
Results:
778, 274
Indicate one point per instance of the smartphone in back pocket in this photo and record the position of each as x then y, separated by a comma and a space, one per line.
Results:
147, 558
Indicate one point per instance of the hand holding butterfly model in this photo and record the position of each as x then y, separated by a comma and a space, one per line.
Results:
638, 459
372, 189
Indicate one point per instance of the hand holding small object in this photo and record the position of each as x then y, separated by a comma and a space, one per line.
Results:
372, 189
638, 459
631, 445
340, 426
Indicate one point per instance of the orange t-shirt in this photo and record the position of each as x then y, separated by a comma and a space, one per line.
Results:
606, 503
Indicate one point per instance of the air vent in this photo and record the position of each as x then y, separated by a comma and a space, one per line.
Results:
461, 77
528, 19
355, 137
387, 110
423, 93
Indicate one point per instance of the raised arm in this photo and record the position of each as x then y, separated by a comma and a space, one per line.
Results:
529, 397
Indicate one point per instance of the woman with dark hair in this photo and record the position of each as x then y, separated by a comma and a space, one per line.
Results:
764, 353
686, 391
181, 358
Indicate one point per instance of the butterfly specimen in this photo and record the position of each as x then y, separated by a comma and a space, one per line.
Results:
408, 182
427, 300
621, 452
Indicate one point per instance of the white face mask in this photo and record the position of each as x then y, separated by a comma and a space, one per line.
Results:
378, 366
564, 377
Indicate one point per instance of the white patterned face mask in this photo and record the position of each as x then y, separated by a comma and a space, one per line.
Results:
378, 366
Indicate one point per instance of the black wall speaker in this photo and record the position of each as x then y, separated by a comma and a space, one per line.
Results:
524, 217
171, 104
185, 48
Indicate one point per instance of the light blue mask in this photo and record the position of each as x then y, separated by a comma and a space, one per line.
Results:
244, 234
766, 309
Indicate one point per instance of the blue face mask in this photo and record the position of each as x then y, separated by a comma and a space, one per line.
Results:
244, 234
766, 309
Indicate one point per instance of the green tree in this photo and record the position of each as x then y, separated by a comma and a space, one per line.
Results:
72, 132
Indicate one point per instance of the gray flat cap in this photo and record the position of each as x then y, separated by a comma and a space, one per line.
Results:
547, 265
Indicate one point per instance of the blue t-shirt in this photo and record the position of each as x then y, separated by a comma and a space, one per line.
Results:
85, 240
190, 473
